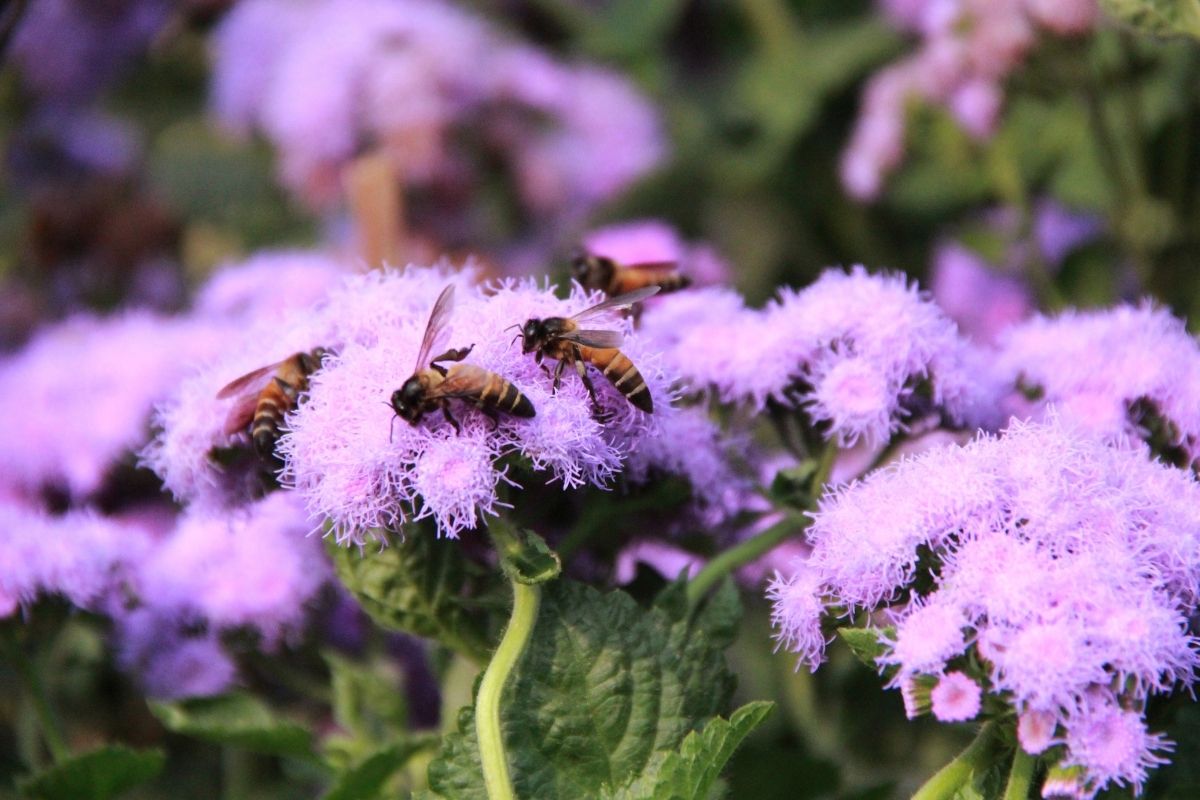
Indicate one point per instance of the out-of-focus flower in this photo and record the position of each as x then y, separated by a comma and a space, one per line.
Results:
79, 396
666, 559
651, 240
1127, 373
853, 350
323, 79
170, 663
1067, 566
269, 284
79, 555
253, 567
967, 49
983, 300
69, 50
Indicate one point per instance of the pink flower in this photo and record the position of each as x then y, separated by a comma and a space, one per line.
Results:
980, 298
1112, 744
1035, 730
956, 698
667, 560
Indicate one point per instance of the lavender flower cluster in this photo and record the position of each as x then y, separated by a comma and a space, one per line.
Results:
417, 79
967, 49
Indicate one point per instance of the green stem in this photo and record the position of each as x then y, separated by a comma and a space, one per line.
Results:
52, 731
1020, 776
824, 468
750, 550
496, 779
975, 759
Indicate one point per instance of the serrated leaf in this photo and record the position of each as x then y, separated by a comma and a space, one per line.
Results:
237, 720
414, 586
866, 644
603, 687
97, 775
524, 556
691, 773
1158, 17
366, 780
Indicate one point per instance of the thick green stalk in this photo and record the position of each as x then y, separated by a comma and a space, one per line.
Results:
976, 758
750, 550
496, 779
52, 732
1020, 776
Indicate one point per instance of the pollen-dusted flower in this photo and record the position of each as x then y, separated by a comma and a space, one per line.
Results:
1125, 373
1061, 564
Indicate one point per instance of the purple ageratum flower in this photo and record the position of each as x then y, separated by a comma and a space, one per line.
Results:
966, 51
849, 349
956, 698
399, 470
1112, 744
269, 284
78, 397
192, 421
1058, 230
171, 664
70, 50
404, 75
1066, 565
981, 299
651, 240
254, 567
1106, 369
79, 555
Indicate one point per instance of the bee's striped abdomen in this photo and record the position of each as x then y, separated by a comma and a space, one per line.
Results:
632, 279
500, 393
621, 372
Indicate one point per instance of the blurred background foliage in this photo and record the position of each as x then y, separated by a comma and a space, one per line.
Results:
759, 97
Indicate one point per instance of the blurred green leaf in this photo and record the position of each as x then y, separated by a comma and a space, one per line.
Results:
237, 720
367, 780
1158, 17
97, 775
866, 644
603, 688
368, 702
414, 586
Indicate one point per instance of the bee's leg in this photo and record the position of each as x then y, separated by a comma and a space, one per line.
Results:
450, 417
453, 355
558, 371
597, 410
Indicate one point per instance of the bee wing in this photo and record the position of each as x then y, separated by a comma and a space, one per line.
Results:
605, 340
241, 414
437, 323
463, 380
238, 385
620, 301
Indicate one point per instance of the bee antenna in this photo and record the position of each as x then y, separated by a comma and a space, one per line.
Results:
392, 427
510, 327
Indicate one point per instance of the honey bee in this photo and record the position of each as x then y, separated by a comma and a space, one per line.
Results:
562, 339
262, 406
613, 278
435, 386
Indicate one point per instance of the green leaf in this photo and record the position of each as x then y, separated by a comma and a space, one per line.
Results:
368, 698
866, 644
524, 556
603, 688
415, 586
1158, 17
97, 775
238, 720
366, 780
690, 773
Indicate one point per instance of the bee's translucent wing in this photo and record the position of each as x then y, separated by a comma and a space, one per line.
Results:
604, 340
252, 378
241, 414
463, 380
620, 301
437, 323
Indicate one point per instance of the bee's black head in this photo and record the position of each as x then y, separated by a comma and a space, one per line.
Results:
533, 335
592, 271
406, 401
